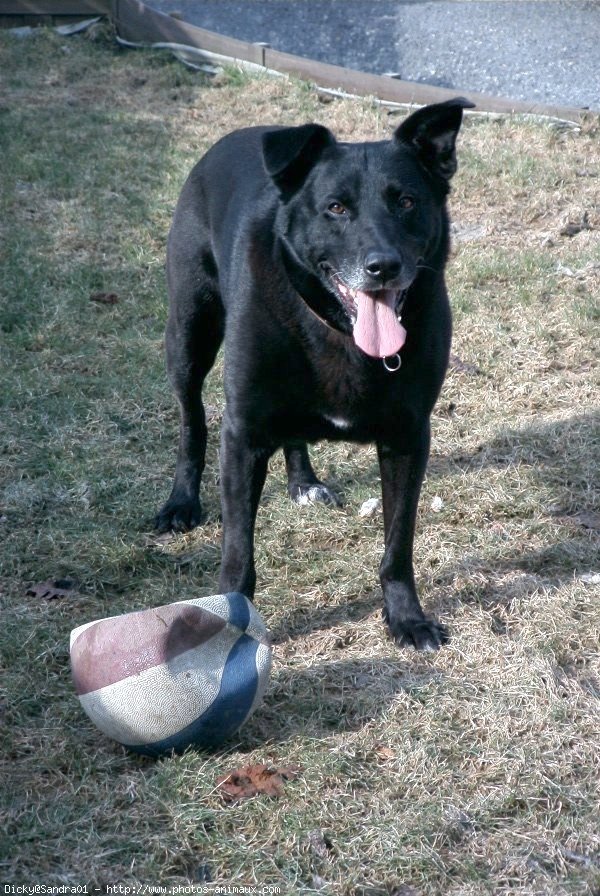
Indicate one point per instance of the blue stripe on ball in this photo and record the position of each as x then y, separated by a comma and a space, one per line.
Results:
228, 710
239, 611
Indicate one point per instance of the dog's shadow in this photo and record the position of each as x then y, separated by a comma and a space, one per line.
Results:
334, 696
303, 621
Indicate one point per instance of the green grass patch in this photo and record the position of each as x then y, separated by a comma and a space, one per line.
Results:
473, 771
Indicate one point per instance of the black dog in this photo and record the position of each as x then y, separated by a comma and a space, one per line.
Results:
303, 253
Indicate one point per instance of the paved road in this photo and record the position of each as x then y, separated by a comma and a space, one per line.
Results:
534, 50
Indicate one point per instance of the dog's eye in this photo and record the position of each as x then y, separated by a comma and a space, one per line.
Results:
406, 202
336, 208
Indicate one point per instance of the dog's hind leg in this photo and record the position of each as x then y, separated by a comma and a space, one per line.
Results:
194, 333
303, 485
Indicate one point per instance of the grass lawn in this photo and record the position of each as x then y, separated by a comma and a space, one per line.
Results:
473, 771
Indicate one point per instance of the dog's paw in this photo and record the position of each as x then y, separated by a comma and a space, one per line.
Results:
421, 634
316, 493
178, 516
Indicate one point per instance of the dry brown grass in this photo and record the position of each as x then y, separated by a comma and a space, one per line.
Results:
469, 772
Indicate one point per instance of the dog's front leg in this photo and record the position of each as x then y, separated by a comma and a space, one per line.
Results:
243, 472
401, 477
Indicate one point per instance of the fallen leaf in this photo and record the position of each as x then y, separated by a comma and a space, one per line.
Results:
104, 298
385, 754
52, 590
572, 228
457, 364
253, 780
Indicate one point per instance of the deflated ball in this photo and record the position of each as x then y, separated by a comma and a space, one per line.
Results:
187, 673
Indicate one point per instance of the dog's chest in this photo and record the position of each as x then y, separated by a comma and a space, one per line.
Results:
347, 416
341, 423
313, 426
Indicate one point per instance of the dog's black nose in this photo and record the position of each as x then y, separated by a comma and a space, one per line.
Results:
382, 266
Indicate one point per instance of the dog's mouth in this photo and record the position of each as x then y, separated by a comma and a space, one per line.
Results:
374, 315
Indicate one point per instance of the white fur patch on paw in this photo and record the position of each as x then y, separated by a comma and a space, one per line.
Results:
316, 494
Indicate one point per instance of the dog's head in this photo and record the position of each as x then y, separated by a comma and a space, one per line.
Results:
359, 221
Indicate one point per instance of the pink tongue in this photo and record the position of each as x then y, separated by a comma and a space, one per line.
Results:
377, 331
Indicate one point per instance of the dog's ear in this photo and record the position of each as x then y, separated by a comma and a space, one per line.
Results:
432, 132
290, 153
